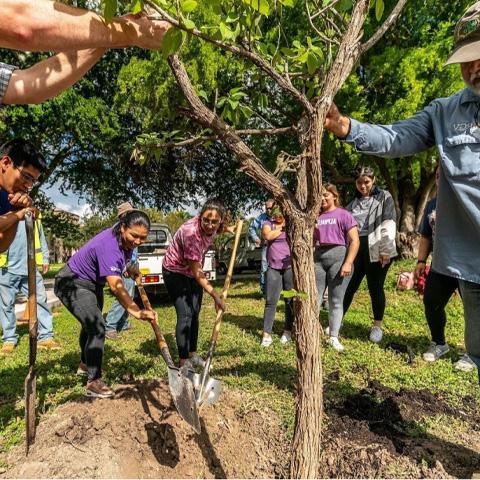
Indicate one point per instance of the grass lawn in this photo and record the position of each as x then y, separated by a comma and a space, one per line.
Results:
267, 375
53, 270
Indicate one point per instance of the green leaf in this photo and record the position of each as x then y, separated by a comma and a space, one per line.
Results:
109, 9
287, 3
172, 42
379, 9
312, 63
188, 5
344, 5
225, 32
189, 24
293, 294
136, 6
261, 6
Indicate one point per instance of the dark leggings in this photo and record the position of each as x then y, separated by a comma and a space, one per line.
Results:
84, 300
375, 274
438, 291
278, 280
186, 295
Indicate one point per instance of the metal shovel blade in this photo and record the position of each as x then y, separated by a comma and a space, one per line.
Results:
211, 391
181, 389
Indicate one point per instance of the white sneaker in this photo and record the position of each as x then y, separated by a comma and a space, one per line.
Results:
435, 351
327, 331
285, 338
376, 334
266, 341
196, 361
465, 364
335, 343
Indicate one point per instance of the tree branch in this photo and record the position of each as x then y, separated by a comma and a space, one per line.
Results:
385, 26
249, 162
257, 60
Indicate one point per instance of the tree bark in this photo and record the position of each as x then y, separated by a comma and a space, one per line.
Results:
306, 446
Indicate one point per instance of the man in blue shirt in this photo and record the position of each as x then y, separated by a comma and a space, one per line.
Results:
14, 279
255, 226
116, 320
20, 167
452, 125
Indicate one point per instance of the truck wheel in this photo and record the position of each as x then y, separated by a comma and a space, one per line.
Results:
222, 269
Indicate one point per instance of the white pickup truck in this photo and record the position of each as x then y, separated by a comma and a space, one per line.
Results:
152, 252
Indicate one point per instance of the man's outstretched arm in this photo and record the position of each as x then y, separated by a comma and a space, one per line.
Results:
48, 78
44, 25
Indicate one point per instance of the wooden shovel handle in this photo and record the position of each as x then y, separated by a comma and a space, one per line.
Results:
162, 344
228, 279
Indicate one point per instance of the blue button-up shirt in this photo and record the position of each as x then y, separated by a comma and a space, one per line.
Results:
448, 124
257, 224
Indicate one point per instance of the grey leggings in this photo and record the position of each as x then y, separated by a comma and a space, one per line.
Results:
328, 262
278, 280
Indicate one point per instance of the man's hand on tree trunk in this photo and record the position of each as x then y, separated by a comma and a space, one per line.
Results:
337, 123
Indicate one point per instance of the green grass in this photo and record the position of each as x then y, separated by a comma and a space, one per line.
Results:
266, 375
53, 270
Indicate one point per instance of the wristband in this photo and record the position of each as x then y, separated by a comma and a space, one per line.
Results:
421, 261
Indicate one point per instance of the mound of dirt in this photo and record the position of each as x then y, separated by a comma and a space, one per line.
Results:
139, 434
375, 433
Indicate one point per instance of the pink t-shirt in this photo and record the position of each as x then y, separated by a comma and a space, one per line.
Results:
332, 227
189, 243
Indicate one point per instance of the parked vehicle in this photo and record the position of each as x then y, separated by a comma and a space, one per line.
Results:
249, 256
152, 252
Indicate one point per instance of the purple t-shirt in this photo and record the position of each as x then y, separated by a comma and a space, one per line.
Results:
332, 227
278, 251
189, 243
100, 257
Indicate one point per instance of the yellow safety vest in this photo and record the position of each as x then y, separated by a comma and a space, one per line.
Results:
38, 248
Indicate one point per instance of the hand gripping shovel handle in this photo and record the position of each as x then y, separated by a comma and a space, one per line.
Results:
31, 379
218, 319
162, 344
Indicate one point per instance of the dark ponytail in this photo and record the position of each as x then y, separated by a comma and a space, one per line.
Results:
219, 207
129, 219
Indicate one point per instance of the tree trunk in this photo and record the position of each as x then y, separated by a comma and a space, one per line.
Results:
306, 446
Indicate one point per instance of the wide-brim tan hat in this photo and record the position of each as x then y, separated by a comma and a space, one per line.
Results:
467, 37
465, 54
124, 208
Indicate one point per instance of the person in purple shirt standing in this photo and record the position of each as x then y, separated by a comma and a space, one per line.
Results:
279, 276
337, 242
79, 286
184, 277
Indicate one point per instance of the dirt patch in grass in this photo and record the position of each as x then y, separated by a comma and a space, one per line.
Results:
138, 434
373, 433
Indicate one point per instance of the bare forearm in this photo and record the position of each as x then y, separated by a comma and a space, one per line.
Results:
423, 248
50, 77
352, 250
44, 25
7, 235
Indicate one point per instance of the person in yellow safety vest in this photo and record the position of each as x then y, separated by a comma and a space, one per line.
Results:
14, 279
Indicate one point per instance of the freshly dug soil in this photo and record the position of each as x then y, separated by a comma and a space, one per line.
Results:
139, 434
371, 434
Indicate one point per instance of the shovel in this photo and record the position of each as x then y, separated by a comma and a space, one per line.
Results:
31, 378
181, 389
207, 388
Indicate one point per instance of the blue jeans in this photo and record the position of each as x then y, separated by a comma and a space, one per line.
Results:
263, 269
117, 317
10, 285
470, 293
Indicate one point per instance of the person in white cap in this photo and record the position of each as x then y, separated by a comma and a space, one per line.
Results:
116, 320
452, 125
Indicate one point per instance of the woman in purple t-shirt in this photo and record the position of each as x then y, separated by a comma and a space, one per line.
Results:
184, 277
279, 276
79, 286
336, 240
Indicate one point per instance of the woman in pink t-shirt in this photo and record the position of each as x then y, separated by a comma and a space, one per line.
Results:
336, 241
184, 277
